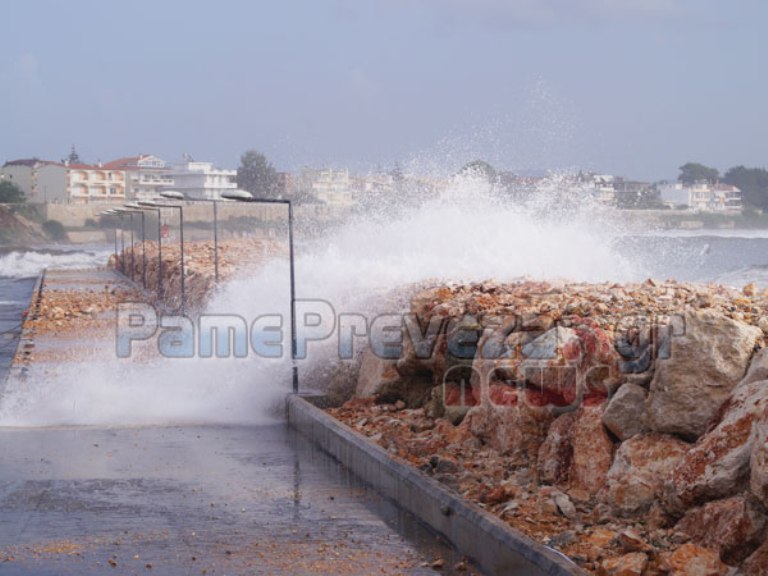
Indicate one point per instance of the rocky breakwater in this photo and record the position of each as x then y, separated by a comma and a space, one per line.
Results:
625, 425
199, 272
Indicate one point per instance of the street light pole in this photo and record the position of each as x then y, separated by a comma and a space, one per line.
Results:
122, 243
112, 213
181, 236
243, 196
145, 205
136, 209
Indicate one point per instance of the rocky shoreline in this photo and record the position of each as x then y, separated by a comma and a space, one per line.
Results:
624, 425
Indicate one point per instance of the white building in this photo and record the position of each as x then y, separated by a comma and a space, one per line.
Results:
202, 180
702, 197
146, 175
94, 183
40, 180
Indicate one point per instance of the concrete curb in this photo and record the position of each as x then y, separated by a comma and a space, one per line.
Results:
493, 545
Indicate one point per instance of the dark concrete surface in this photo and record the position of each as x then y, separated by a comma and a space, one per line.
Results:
196, 500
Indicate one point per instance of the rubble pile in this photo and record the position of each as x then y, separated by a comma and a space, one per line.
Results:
199, 271
625, 425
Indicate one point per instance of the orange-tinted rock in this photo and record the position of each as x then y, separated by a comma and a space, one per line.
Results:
633, 564
592, 450
733, 527
718, 465
516, 431
641, 472
556, 453
693, 560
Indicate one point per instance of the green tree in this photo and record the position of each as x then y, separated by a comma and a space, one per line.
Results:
54, 230
693, 172
257, 175
753, 183
10, 193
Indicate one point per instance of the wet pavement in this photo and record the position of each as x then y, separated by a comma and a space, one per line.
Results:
196, 500
14, 297
183, 500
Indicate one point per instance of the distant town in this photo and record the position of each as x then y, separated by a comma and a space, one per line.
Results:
144, 176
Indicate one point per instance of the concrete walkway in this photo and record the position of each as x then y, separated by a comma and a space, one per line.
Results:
209, 500
189, 500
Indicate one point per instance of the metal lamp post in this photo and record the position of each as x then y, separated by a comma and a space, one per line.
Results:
176, 195
243, 196
122, 242
181, 236
126, 212
136, 209
112, 213
146, 205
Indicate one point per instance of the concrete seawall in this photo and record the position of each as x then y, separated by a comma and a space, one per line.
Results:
495, 547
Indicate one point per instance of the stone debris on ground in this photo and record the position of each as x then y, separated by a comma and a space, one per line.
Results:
624, 425
235, 256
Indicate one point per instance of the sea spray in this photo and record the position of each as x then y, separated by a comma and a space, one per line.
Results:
468, 233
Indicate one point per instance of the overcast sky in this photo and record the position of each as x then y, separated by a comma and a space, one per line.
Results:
632, 87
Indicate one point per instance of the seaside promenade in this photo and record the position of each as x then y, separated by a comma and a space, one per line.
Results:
164, 499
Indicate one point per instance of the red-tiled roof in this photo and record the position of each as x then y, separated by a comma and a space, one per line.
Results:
123, 163
84, 167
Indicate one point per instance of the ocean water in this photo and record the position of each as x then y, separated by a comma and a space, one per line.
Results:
19, 269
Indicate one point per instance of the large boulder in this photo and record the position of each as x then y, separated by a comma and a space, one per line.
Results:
733, 527
577, 452
592, 450
705, 363
379, 378
516, 430
641, 472
718, 465
759, 458
625, 413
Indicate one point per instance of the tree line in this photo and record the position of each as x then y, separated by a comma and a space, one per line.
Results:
753, 182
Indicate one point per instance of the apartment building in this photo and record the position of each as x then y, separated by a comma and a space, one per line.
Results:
146, 175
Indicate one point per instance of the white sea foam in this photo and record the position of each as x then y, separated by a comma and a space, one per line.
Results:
30, 263
466, 235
